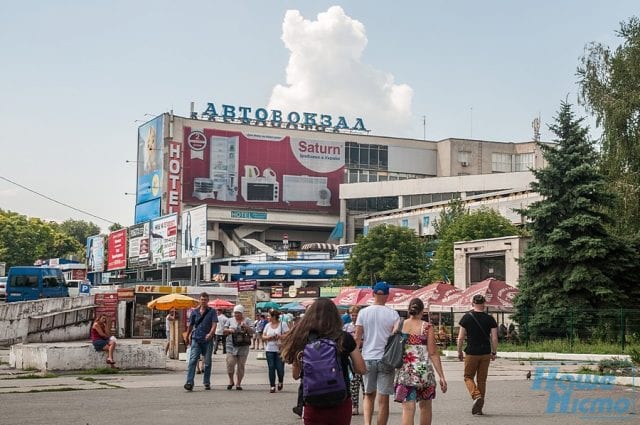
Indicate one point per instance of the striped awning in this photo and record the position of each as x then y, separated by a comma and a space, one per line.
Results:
318, 246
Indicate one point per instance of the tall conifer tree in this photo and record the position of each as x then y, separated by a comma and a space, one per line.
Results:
572, 263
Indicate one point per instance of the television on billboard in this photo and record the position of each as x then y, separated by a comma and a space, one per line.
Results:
95, 253
194, 233
164, 238
150, 156
234, 169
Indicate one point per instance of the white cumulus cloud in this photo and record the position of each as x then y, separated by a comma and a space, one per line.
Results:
325, 74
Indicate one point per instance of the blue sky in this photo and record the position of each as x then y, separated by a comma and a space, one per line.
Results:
78, 77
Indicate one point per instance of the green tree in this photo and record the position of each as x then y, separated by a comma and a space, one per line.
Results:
80, 230
450, 213
391, 253
610, 90
571, 262
480, 224
115, 226
24, 240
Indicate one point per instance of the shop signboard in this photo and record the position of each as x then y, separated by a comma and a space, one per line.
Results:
247, 285
247, 299
164, 238
277, 292
238, 170
126, 294
139, 245
95, 253
194, 233
107, 304
117, 250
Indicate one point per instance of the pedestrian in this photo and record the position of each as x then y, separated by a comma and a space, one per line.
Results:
373, 328
322, 320
221, 337
415, 381
481, 333
168, 321
202, 327
356, 378
272, 334
237, 352
259, 327
102, 340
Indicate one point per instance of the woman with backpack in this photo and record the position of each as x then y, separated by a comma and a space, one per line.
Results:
415, 381
319, 351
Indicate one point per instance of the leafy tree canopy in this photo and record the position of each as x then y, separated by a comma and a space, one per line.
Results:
480, 224
391, 253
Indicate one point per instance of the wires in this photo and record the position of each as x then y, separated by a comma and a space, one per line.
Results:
56, 201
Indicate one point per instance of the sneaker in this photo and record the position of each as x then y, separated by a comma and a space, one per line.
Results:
478, 403
207, 386
188, 386
297, 410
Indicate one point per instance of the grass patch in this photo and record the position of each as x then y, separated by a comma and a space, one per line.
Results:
35, 376
101, 371
563, 346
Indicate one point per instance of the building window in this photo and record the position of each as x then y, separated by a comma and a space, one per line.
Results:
464, 158
523, 161
501, 162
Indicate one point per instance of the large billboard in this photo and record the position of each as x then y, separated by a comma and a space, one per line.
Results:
150, 156
193, 243
95, 254
117, 250
147, 211
228, 168
139, 248
164, 238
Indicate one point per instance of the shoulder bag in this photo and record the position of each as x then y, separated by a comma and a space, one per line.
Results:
185, 334
241, 339
394, 350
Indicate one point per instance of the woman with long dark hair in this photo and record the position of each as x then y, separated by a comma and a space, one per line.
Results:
415, 381
272, 335
322, 320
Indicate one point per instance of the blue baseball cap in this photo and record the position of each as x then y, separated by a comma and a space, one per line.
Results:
381, 288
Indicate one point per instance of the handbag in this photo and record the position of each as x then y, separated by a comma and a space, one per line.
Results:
394, 350
241, 339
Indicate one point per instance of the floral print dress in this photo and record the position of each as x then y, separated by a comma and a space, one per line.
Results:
415, 380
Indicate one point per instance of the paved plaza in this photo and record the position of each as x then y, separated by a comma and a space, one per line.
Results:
157, 397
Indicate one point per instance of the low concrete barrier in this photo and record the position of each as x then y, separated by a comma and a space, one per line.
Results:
82, 356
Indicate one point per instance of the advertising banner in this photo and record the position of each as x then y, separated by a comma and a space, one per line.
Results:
194, 233
147, 211
227, 168
139, 245
95, 254
107, 304
117, 250
164, 238
150, 155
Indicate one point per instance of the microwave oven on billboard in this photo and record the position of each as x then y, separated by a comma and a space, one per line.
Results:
259, 189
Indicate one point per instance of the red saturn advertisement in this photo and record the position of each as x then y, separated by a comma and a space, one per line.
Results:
227, 168
117, 252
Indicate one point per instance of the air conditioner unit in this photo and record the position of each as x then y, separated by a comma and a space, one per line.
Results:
464, 163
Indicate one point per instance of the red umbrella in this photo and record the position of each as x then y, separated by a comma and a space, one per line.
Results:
497, 293
434, 293
220, 303
395, 294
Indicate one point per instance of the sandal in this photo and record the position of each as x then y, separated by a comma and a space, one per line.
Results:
111, 362
239, 388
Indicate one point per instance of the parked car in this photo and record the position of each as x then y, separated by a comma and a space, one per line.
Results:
3, 288
33, 283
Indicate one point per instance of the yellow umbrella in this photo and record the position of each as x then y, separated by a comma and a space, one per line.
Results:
177, 301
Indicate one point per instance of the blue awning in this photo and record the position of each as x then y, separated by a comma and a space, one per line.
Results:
337, 231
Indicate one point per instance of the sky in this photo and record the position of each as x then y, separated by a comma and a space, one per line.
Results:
77, 78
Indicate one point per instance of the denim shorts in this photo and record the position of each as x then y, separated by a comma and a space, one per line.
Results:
379, 377
99, 344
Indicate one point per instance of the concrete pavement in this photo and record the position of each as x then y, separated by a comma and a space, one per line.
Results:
157, 397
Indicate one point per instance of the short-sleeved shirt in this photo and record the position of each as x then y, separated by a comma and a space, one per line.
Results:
377, 323
478, 334
222, 322
200, 333
232, 349
281, 329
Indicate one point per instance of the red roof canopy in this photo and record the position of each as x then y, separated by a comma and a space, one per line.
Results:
435, 293
497, 293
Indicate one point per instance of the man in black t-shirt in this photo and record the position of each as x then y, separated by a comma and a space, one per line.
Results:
481, 332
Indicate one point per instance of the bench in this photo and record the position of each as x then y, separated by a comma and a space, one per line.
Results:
80, 355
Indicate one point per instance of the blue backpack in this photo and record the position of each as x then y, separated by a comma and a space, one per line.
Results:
323, 383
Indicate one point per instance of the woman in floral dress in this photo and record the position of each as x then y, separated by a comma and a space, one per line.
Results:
415, 381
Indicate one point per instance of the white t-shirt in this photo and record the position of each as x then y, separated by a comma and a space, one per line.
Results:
222, 322
377, 322
274, 345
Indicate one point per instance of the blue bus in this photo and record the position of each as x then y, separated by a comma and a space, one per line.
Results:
27, 283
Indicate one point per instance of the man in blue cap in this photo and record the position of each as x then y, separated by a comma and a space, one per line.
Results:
373, 327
